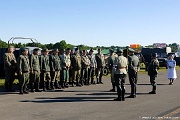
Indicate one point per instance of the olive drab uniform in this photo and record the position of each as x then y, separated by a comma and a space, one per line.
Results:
10, 65
66, 63
120, 72
34, 72
23, 66
153, 72
110, 63
100, 66
92, 68
55, 70
76, 68
45, 69
133, 68
84, 71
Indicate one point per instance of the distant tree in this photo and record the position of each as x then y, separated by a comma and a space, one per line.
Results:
3, 44
174, 47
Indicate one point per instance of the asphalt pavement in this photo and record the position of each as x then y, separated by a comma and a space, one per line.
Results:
95, 102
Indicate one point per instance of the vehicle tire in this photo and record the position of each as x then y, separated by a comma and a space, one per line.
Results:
105, 72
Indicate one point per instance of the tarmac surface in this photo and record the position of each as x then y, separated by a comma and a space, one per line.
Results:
95, 102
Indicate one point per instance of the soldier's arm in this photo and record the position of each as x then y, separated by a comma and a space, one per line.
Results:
51, 63
31, 62
6, 60
19, 64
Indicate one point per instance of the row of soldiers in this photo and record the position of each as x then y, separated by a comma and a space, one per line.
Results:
54, 70
120, 66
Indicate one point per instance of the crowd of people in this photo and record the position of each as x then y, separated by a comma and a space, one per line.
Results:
58, 70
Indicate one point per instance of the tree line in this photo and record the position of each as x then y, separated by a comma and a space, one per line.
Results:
63, 45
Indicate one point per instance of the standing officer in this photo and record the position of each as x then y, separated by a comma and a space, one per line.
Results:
111, 59
133, 68
55, 69
153, 72
23, 70
66, 63
100, 66
85, 66
93, 66
119, 68
45, 69
10, 68
34, 70
76, 67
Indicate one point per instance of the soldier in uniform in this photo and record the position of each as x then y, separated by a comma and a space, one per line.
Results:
100, 66
55, 69
76, 67
34, 70
66, 63
45, 69
23, 70
133, 68
153, 72
111, 59
10, 65
120, 72
85, 66
93, 66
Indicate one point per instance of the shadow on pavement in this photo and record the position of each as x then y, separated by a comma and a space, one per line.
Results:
69, 99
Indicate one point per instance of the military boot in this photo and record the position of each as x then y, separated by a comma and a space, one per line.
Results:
25, 90
37, 87
153, 90
32, 87
52, 86
57, 85
113, 87
48, 86
100, 80
6, 85
44, 86
97, 81
10, 87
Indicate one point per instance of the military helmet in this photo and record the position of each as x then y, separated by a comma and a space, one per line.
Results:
119, 50
131, 50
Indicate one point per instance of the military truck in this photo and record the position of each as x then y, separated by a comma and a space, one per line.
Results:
161, 52
17, 52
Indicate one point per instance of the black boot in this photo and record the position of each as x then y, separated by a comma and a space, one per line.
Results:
25, 90
48, 85
32, 87
57, 85
52, 86
77, 84
92, 81
123, 93
153, 90
62, 84
97, 81
10, 87
37, 87
65, 84
44, 86
6, 85
133, 95
100, 80
113, 89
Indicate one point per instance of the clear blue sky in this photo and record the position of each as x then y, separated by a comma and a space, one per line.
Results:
92, 22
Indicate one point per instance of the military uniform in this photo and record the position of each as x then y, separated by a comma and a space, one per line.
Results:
111, 59
120, 72
85, 66
23, 70
34, 72
100, 66
55, 69
10, 65
133, 68
76, 68
92, 68
153, 72
45, 69
66, 63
